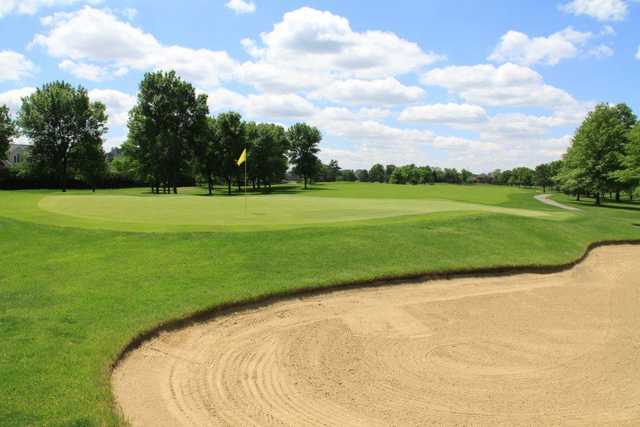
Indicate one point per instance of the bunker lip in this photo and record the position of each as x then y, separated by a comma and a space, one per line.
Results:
212, 313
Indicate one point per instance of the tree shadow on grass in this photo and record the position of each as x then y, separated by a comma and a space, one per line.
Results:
282, 189
608, 204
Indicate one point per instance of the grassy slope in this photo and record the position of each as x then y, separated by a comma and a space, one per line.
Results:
70, 298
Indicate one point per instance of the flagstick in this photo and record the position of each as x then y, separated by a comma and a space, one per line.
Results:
245, 183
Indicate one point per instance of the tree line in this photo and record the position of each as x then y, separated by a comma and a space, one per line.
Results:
392, 174
603, 158
171, 139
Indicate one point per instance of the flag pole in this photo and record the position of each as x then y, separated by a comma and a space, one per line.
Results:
245, 183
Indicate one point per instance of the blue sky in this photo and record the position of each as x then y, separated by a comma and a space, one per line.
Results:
481, 85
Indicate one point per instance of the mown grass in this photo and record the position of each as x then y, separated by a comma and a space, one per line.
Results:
71, 298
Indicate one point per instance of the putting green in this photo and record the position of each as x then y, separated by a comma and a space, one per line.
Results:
149, 213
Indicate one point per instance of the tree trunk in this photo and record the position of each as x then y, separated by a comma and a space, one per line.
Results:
175, 189
617, 196
305, 182
229, 185
578, 197
64, 174
210, 184
598, 199
544, 189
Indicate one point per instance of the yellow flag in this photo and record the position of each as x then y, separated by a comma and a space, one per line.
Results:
243, 157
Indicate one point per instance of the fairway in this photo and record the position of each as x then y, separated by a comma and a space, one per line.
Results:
261, 211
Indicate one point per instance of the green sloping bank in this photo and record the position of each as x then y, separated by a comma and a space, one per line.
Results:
72, 298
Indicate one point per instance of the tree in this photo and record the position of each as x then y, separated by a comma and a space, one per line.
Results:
208, 152
555, 168
348, 175
598, 147
164, 127
267, 156
543, 176
232, 137
362, 175
8, 131
425, 175
376, 174
93, 166
303, 143
466, 176
125, 166
64, 126
388, 172
629, 175
572, 178
451, 176
333, 170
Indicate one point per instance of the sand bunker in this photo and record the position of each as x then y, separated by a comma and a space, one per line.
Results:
527, 349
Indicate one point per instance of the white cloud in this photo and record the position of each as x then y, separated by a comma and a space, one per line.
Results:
118, 104
374, 113
507, 85
444, 113
30, 7
278, 107
279, 79
241, 6
320, 42
267, 106
600, 51
14, 66
518, 47
13, 98
638, 54
98, 38
84, 71
129, 13
607, 30
602, 10
387, 91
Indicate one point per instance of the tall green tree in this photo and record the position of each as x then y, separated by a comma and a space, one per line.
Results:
303, 147
64, 127
572, 177
208, 153
8, 131
466, 176
544, 176
164, 127
388, 171
93, 166
598, 147
232, 139
362, 175
333, 170
376, 173
268, 155
629, 175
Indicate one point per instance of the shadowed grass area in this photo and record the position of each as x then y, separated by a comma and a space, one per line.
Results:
72, 297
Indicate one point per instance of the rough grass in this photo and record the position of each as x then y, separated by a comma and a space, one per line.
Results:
72, 297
